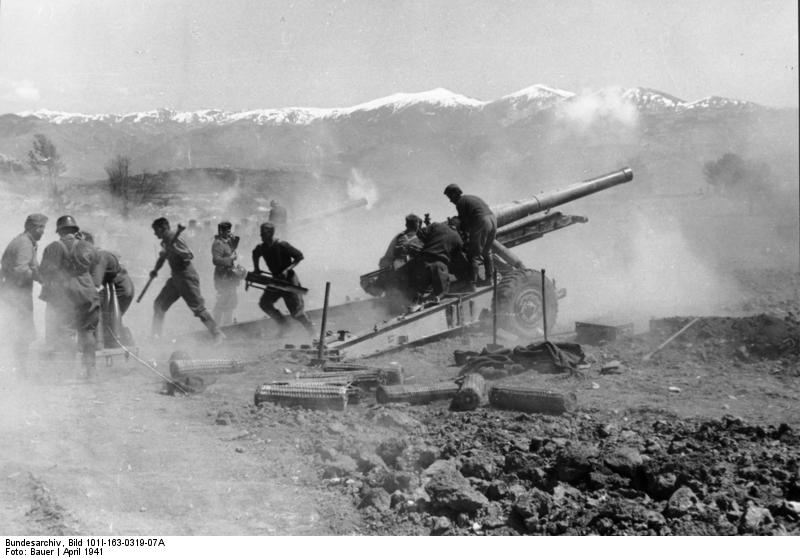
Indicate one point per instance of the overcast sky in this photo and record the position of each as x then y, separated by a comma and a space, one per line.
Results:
120, 56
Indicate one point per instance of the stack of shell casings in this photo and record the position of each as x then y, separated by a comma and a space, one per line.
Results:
313, 395
471, 394
530, 400
202, 367
416, 394
360, 374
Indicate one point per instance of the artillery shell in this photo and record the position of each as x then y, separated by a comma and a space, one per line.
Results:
183, 367
304, 394
471, 394
416, 394
531, 400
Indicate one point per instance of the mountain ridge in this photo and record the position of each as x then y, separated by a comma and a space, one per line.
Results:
642, 97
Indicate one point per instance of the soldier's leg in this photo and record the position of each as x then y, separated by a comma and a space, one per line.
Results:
166, 298
229, 301
267, 304
17, 312
87, 337
295, 305
486, 251
440, 278
189, 288
474, 250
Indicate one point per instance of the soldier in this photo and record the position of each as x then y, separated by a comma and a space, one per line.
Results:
72, 299
441, 247
106, 269
281, 258
20, 268
403, 245
184, 282
278, 217
480, 224
227, 274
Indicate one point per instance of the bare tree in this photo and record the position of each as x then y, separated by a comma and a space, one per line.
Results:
119, 181
46, 162
130, 190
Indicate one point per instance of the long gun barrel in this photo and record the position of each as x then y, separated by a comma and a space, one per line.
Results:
510, 212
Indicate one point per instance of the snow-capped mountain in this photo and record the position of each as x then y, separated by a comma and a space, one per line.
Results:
535, 97
396, 134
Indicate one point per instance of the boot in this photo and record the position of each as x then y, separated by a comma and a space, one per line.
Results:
212, 326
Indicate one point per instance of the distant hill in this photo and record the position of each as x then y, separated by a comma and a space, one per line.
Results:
413, 144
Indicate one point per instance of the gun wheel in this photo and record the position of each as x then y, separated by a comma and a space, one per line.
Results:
519, 303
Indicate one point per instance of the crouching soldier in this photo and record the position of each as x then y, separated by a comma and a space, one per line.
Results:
281, 258
72, 299
442, 248
107, 272
184, 281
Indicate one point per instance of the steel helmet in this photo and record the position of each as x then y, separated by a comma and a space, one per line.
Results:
66, 222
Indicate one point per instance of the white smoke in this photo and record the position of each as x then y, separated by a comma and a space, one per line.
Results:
359, 187
605, 105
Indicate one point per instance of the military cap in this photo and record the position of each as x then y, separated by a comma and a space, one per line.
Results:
36, 220
225, 226
412, 218
452, 189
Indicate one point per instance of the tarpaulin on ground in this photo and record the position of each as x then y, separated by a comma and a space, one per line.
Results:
542, 357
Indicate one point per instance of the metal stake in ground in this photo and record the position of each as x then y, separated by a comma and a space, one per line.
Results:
670, 340
321, 347
494, 308
544, 308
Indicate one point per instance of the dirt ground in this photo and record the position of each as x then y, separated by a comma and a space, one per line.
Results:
703, 438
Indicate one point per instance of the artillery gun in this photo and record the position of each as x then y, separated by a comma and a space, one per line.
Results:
519, 297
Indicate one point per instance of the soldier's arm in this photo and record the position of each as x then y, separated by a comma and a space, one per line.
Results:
257, 258
24, 264
295, 255
180, 249
98, 268
220, 256
51, 258
387, 258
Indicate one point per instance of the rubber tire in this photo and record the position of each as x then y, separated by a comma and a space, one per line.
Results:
519, 303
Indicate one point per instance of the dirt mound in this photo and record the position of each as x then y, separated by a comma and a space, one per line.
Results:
761, 336
489, 472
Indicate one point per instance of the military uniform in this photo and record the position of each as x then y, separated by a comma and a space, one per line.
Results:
18, 270
184, 282
441, 246
73, 301
399, 250
226, 280
106, 270
278, 256
480, 224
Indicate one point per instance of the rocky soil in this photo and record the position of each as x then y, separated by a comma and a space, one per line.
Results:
701, 438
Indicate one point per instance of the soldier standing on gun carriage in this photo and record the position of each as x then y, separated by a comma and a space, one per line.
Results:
20, 268
480, 224
184, 282
73, 302
281, 258
227, 275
